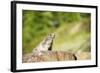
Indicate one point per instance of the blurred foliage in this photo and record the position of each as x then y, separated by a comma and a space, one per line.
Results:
72, 30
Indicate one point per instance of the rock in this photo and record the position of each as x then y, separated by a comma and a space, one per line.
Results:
47, 56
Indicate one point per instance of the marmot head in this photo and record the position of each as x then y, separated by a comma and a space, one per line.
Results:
49, 39
51, 35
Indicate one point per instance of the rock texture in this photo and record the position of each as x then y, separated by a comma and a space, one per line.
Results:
47, 56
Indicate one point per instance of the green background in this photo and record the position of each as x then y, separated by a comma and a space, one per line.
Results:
72, 30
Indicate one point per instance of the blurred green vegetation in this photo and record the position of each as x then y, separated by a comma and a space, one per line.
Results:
72, 30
